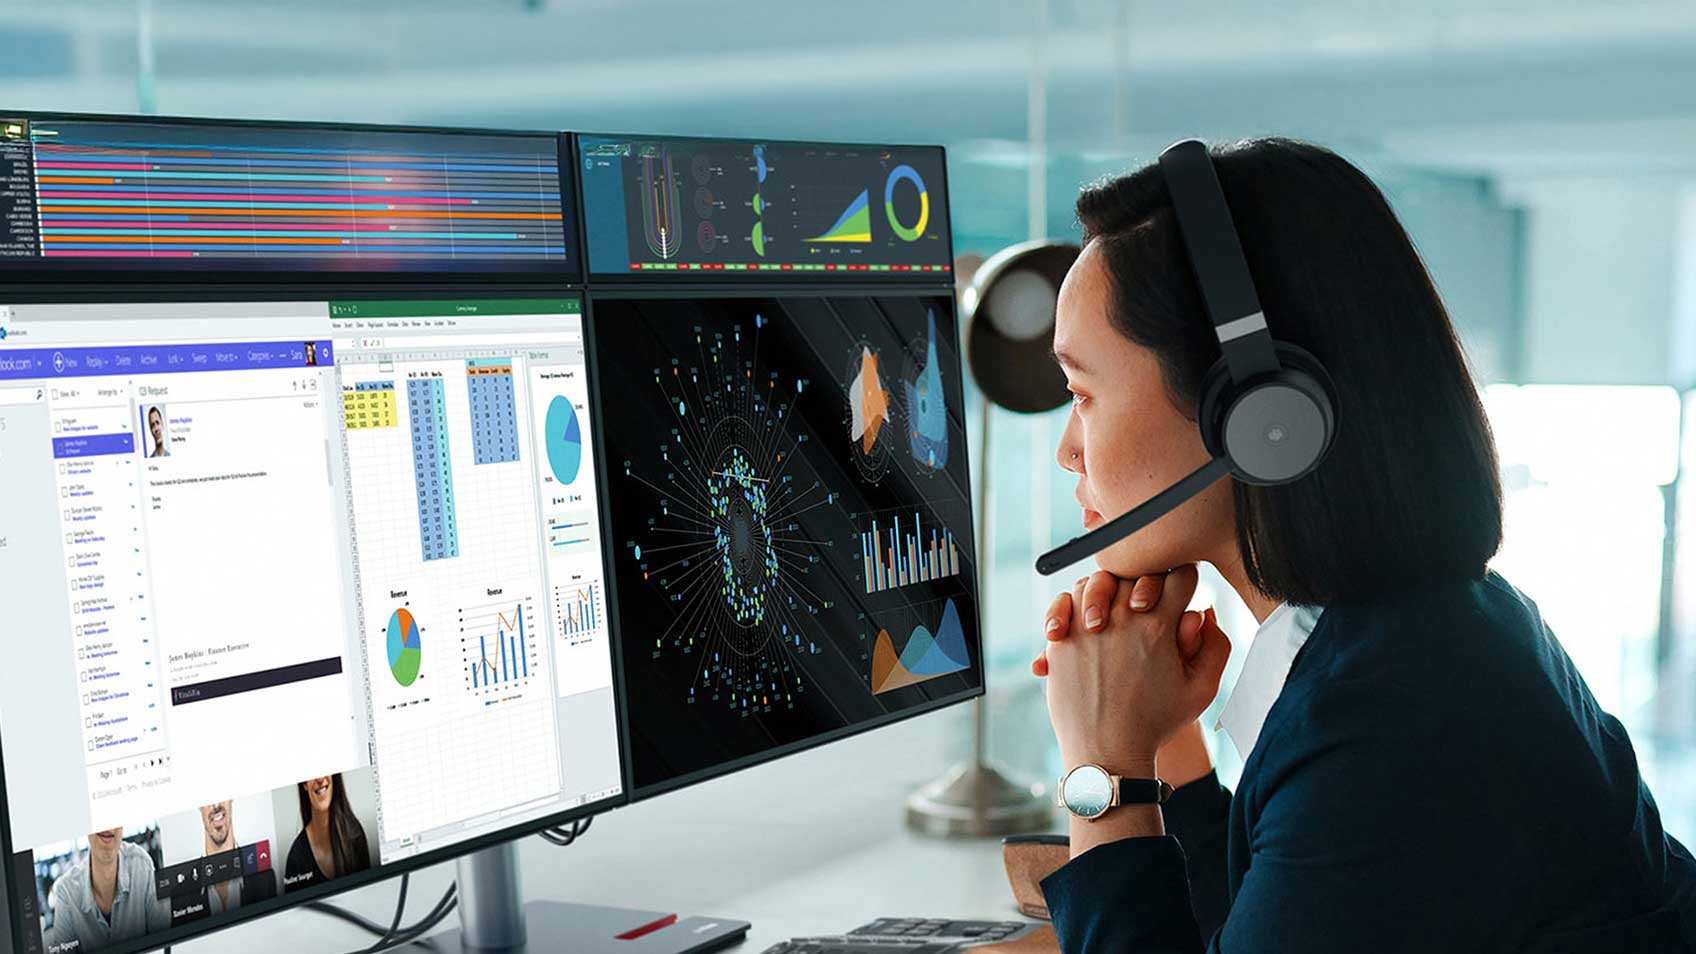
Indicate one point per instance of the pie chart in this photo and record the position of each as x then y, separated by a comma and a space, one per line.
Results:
405, 652
565, 440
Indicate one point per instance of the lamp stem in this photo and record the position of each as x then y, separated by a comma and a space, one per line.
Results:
985, 560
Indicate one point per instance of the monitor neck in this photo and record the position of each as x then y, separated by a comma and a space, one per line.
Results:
491, 901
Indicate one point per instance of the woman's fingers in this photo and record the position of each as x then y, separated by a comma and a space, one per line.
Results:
1189, 634
1039, 665
1058, 621
1215, 651
1175, 595
1146, 592
1098, 596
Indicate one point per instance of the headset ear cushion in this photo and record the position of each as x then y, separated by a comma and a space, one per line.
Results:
1294, 358
1211, 405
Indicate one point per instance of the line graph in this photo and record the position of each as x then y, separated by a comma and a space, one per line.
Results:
577, 607
497, 642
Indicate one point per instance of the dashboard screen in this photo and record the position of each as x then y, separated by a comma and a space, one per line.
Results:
88, 194
711, 208
791, 523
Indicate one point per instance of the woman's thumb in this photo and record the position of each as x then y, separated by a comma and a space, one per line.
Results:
1189, 634
1215, 650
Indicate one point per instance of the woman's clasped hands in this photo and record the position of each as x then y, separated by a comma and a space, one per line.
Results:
1127, 666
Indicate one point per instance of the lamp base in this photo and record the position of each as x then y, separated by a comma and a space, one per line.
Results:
976, 800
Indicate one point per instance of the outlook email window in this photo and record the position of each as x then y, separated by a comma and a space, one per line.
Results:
175, 523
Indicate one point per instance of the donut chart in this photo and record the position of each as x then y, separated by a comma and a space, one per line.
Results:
406, 653
565, 440
909, 234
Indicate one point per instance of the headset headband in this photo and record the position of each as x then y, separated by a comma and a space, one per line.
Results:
1204, 220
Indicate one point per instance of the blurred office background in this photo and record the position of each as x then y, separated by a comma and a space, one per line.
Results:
1542, 154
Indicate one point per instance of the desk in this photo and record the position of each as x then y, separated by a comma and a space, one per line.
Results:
811, 844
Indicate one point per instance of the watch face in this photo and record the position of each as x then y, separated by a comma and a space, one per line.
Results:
1087, 791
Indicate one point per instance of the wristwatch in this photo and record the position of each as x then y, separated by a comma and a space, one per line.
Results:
1090, 791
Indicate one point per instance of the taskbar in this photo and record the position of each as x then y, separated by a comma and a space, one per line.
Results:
488, 823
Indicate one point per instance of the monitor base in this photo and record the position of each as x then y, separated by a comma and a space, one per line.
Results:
493, 919
558, 927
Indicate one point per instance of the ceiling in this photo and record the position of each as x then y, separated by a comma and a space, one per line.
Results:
1553, 87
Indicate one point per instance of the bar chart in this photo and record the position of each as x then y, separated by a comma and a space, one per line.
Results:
906, 552
578, 607
497, 642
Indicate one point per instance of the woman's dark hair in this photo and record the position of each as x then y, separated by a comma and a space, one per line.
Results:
348, 847
1409, 491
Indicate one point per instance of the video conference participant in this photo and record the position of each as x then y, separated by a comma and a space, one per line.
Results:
106, 897
1390, 798
218, 827
331, 842
156, 430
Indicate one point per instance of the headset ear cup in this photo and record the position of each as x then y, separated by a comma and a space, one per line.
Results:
1294, 358
1323, 389
1296, 365
1211, 405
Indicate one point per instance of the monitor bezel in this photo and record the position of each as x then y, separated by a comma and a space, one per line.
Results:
379, 871
616, 620
38, 270
762, 278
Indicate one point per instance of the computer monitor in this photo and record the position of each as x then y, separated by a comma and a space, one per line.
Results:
724, 210
790, 520
324, 573
789, 508
110, 196
308, 590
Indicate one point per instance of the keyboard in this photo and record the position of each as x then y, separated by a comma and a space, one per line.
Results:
907, 936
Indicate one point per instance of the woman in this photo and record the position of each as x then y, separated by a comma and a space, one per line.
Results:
331, 842
1424, 770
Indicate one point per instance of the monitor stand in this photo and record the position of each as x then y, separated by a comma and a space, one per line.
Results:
495, 920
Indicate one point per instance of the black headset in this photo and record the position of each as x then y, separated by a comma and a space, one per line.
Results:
1267, 409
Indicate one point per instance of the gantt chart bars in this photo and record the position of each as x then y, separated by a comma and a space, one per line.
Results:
395, 196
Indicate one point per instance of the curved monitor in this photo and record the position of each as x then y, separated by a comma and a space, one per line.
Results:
113, 195
308, 591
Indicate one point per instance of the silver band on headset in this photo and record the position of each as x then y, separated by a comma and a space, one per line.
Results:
1246, 325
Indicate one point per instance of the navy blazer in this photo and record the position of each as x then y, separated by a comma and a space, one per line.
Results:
1434, 777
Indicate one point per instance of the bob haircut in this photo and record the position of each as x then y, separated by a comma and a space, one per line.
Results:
1408, 494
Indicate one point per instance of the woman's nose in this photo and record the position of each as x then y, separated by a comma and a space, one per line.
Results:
1068, 456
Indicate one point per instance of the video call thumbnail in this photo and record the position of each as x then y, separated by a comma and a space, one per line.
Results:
125, 883
790, 520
